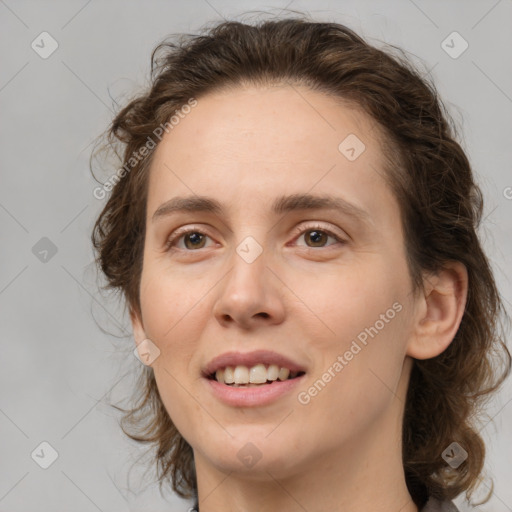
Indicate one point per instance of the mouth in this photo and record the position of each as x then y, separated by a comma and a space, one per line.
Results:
252, 379
259, 375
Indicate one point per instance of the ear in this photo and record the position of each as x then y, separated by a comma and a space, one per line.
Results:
138, 329
147, 350
438, 311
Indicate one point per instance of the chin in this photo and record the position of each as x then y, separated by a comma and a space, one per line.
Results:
255, 454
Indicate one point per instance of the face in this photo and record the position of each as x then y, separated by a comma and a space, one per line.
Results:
324, 285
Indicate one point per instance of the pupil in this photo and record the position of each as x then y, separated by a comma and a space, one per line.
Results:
194, 238
316, 236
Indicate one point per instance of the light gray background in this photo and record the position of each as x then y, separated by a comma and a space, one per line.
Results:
57, 368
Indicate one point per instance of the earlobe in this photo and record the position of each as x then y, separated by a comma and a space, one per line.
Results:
439, 311
147, 351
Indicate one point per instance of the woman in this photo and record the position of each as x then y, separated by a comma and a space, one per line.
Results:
294, 232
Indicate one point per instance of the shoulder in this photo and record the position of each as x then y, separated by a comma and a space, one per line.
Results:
435, 505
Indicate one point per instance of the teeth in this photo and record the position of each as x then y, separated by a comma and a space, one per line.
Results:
273, 372
258, 374
283, 373
225, 375
241, 375
219, 375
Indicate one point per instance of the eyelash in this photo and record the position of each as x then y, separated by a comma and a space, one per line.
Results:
300, 231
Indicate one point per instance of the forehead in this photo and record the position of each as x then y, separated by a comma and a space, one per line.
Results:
269, 122
247, 143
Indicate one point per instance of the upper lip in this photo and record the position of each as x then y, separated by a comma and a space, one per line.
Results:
250, 359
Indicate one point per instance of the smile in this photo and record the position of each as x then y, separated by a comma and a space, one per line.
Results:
256, 375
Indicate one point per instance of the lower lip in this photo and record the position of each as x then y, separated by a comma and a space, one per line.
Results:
255, 396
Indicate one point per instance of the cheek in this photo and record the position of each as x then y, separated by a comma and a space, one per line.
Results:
174, 310
356, 381
173, 314
348, 299
169, 299
362, 319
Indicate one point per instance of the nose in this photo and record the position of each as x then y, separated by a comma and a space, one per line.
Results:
249, 295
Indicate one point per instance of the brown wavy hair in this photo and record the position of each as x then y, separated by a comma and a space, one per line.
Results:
429, 173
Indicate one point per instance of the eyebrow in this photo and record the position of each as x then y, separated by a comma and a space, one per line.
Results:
281, 205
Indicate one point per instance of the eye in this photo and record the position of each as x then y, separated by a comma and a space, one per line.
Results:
318, 236
192, 238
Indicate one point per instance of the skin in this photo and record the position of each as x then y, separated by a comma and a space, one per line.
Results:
341, 451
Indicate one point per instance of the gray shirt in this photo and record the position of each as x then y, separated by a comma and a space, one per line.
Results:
432, 505
435, 505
